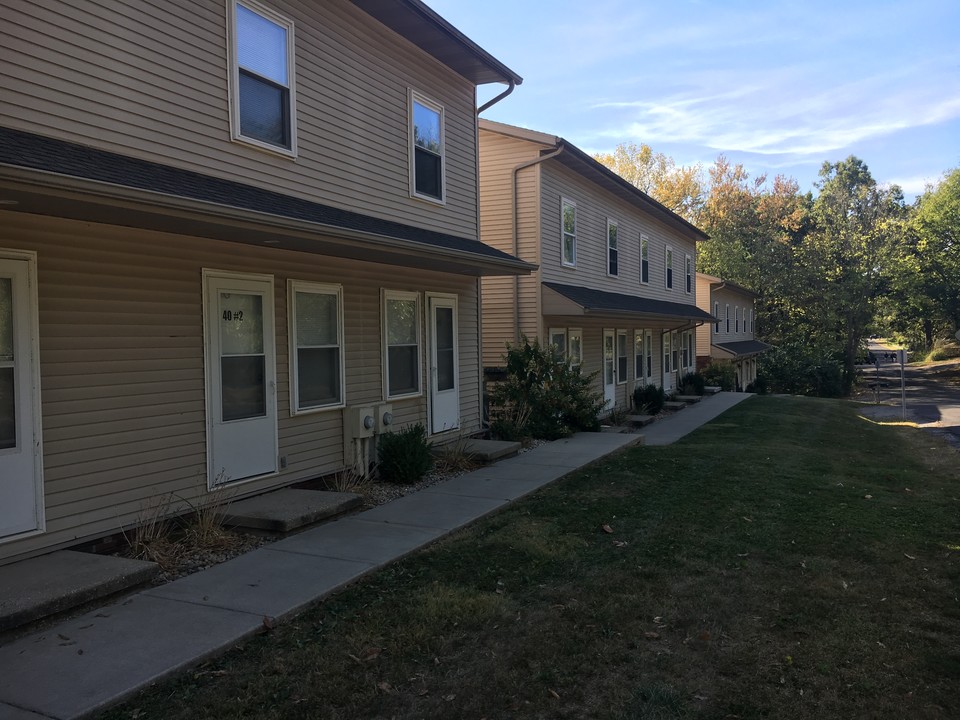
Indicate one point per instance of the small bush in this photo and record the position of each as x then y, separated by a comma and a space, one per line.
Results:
943, 351
649, 399
722, 374
542, 396
404, 456
693, 384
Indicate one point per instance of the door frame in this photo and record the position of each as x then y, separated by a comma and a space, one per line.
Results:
612, 334
447, 300
32, 315
270, 370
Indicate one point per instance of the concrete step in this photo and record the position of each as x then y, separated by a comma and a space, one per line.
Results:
481, 451
41, 586
689, 399
288, 509
640, 420
711, 390
674, 405
613, 429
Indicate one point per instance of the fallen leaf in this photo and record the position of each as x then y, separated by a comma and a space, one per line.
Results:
909, 557
449, 698
554, 693
651, 635
384, 686
868, 497
620, 543
746, 518
371, 654
267, 623
705, 636
607, 529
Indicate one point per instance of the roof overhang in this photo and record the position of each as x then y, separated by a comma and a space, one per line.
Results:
740, 350
60, 179
571, 300
427, 30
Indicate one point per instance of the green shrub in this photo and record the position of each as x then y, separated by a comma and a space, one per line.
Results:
693, 384
404, 456
943, 351
542, 396
758, 386
649, 399
722, 374
801, 369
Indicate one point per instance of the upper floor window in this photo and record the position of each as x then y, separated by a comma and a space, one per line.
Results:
688, 267
262, 78
613, 254
751, 320
568, 243
316, 346
426, 148
644, 259
716, 314
736, 310
668, 267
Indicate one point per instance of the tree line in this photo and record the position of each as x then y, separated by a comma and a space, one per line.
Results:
830, 268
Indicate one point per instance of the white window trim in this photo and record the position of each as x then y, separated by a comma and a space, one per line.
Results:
727, 316
233, 69
385, 352
716, 314
563, 232
688, 274
571, 332
293, 287
648, 361
416, 96
668, 279
644, 255
626, 348
558, 331
639, 376
613, 224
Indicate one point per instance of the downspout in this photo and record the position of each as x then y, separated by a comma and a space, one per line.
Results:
498, 98
516, 230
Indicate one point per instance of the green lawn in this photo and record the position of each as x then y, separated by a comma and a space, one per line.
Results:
789, 560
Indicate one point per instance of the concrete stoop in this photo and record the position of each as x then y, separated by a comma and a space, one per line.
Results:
640, 420
41, 586
689, 399
289, 509
674, 405
482, 451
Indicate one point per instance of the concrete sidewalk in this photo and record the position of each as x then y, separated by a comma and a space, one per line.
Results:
92, 661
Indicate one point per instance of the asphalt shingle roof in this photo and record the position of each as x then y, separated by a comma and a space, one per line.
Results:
601, 300
744, 347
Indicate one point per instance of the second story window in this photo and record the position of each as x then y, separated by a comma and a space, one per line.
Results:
644, 259
613, 254
716, 314
737, 319
751, 320
427, 148
727, 315
688, 267
668, 267
568, 243
262, 78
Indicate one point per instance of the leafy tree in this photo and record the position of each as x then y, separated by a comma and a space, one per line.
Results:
678, 188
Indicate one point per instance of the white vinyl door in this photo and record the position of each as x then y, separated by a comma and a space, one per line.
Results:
609, 369
241, 372
444, 366
21, 496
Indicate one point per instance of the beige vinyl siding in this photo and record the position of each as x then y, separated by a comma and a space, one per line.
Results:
594, 207
705, 332
122, 365
150, 81
499, 155
593, 351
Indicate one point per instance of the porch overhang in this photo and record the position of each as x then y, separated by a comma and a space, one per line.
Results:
572, 300
741, 350
46, 176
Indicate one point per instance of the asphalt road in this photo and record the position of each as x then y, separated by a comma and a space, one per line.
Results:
932, 401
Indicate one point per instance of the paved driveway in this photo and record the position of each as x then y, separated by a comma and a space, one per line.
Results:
932, 395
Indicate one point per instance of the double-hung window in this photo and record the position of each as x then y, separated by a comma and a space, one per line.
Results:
316, 346
622, 356
751, 320
668, 267
716, 314
558, 339
575, 346
613, 253
648, 346
688, 268
568, 241
727, 315
262, 77
736, 311
644, 258
401, 340
426, 148
638, 355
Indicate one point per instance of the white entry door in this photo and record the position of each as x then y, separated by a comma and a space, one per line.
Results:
241, 372
21, 496
609, 369
444, 365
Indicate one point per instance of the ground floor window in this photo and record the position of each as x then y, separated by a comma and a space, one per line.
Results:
622, 356
639, 361
401, 338
316, 346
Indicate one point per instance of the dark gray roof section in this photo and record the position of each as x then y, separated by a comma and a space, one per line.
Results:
726, 284
600, 301
36, 152
431, 33
744, 347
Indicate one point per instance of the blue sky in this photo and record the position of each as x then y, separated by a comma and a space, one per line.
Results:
778, 86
